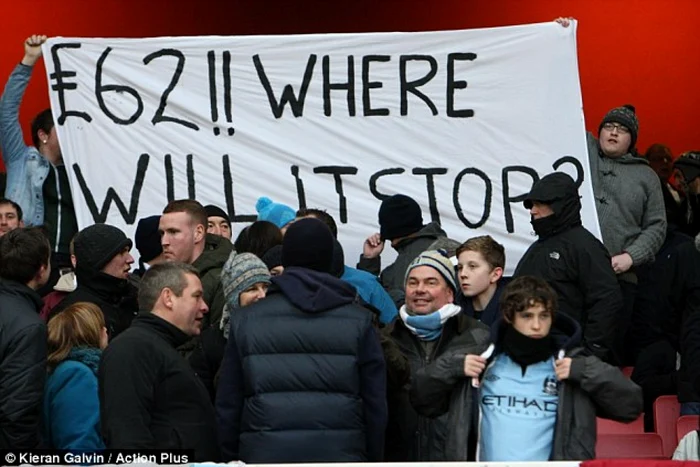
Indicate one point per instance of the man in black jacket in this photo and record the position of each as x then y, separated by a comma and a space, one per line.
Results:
401, 222
102, 265
149, 396
573, 262
429, 327
24, 268
303, 377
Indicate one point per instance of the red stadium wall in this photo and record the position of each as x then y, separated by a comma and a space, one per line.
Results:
630, 51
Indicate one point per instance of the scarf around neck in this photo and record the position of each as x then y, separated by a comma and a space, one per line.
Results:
88, 356
525, 350
429, 327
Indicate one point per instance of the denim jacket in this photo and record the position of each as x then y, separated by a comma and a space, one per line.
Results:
26, 167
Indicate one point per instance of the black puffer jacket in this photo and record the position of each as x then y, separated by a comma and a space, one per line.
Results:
303, 378
117, 298
22, 366
575, 263
149, 396
411, 437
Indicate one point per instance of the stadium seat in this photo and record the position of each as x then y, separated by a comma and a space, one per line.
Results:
667, 409
610, 427
686, 424
637, 446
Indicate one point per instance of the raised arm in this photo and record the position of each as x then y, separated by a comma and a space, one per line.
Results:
11, 138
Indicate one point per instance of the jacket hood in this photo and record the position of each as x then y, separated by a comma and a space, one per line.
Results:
313, 291
566, 333
216, 251
559, 191
431, 230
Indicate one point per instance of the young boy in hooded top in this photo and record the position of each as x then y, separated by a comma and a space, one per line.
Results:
538, 394
479, 269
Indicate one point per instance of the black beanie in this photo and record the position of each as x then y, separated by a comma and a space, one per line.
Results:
399, 216
147, 238
338, 264
273, 257
689, 164
216, 211
96, 245
625, 115
308, 243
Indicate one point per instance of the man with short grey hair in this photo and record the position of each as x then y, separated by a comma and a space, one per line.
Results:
149, 396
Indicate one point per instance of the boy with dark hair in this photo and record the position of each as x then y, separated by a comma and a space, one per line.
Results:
539, 395
481, 261
25, 256
321, 215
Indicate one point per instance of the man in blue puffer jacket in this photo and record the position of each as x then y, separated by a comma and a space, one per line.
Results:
303, 377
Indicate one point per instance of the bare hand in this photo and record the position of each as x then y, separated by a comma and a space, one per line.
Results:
474, 365
621, 263
32, 49
564, 21
562, 368
373, 246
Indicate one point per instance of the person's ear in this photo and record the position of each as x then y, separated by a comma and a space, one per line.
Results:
199, 233
496, 274
166, 296
43, 136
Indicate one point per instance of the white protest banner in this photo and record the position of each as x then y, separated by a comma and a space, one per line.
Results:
462, 121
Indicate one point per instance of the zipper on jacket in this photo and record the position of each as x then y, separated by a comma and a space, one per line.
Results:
58, 207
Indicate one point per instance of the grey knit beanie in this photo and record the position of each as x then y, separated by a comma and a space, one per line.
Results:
438, 260
241, 271
627, 116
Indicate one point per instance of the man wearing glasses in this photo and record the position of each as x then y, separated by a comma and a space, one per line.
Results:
630, 209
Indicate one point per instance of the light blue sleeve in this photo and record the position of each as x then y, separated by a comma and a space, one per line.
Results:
11, 139
381, 299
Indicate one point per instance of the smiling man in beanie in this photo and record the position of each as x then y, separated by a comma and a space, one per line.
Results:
434, 335
630, 206
303, 378
102, 268
401, 222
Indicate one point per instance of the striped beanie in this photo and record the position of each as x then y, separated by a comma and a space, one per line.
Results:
241, 271
438, 260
